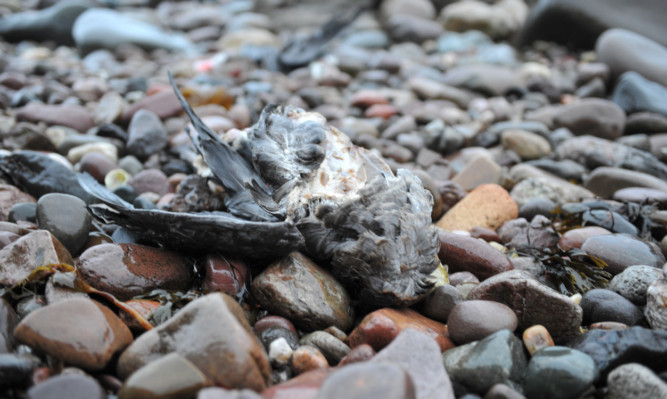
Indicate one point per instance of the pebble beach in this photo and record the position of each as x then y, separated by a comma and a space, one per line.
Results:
538, 127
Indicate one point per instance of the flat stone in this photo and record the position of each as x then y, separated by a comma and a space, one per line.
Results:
74, 116
558, 372
54, 23
605, 181
474, 320
439, 303
365, 380
21, 257
301, 291
490, 80
635, 93
489, 205
633, 380
469, 254
594, 117
212, 333
417, 353
619, 251
164, 104
605, 305
532, 302
73, 386
90, 348
128, 270
380, 327
641, 194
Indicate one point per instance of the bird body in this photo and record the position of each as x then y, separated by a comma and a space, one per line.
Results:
293, 182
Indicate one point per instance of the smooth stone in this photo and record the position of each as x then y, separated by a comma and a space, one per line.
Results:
128, 270
537, 206
502, 391
646, 57
433, 90
469, 254
221, 393
592, 116
97, 165
547, 186
109, 108
610, 220
575, 238
225, 275
38, 174
299, 290
612, 348
16, 370
580, 23
656, 302
11, 196
109, 150
67, 218
100, 28
536, 337
164, 104
366, 380
150, 180
635, 381
605, 305
146, 134
57, 330
488, 205
596, 152
52, 23
305, 386
558, 372
645, 122
474, 320
439, 303
565, 169
212, 333
491, 80
273, 321
269, 335
307, 358
533, 303
419, 355
526, 144
619, 251
74, 386
641, 194
74, 116
479, 365
418, 8
408, 28
331, 347
8, 321
480, 170
379, 328
280, 352
633, 282
21, 257
635, 93
23, 211
519, 234
605, 181
170, 376
498, 20
358, 354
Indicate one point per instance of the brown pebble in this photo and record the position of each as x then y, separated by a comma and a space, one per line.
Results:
307, 358
489, 205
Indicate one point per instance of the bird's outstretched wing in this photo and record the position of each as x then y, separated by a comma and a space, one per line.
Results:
196, 232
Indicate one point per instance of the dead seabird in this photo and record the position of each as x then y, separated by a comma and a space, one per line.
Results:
293, 182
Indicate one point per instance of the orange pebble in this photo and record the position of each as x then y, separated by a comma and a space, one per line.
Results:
537, 337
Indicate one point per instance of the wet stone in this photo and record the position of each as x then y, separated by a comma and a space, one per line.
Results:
633, 282
10, 197
489, 205
268, 335
366, 380
307, 358
67, 218
169, 376
26, 211
520, 234
558, 372
634, 252
90, 348
605, 181
633, 380
479, 365
641, 195
150, 181
474, 320
536, 337
635, 93
301, 291
305, 385
359, 353
273, 321
380, 327
225, 275
279, 352
8, 321
128, 270
213, 334
612, 348
73, 386
74, 116
463, 253
21, 257
146, 134
575, 238
440, 302
331, 347
533, 303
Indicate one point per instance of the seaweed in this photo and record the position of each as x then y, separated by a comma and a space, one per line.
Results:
574, 271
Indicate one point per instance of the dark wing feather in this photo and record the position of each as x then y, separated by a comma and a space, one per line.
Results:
382, 243
197, 232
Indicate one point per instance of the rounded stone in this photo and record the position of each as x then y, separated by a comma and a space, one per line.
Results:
536, 337
26, 211
72, 386
488, 205
619, 251
462, 253
307, 358
67, 218
605, 305
331, 347
575, 238
656, 304
368, 380
633, 282
146, 134
440, 302
97, 165
527, 145
633, 380
474, 320
594, 117
150, 180
557, 372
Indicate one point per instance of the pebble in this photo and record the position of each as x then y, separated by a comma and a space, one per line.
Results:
16, 370
521, 235
605, 181
67, 218
479, 365
38, 248
474, 320
164, 104
526, 144
533, 303
150, 181
632, 380
225, 275
379, 328
212, 333
594, 117
635, 93
480, 170
635, 251
359, 353
368, 379
128, 270
299, 290
467, 254
331, 347
656, 302
90, 348
304, 385
633, 282
279, 352
605, 305
307, 358
558, 372
11, 196
439, 303
171, 375
146, 134
97, 165
74, 116
73, 386
489, 205
536, 337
